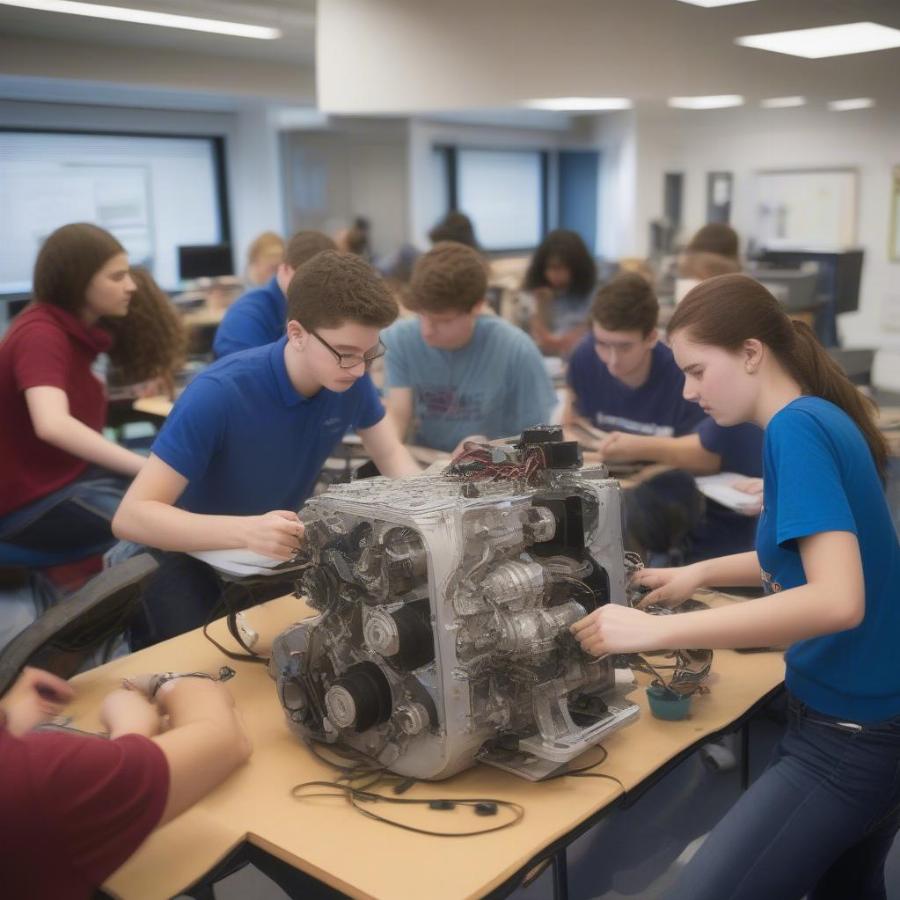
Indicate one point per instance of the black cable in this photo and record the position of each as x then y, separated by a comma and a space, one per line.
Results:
225, 605
361, 759
355, 796
365, 765
586, 771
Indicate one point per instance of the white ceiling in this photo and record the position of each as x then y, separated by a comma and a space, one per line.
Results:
295, 18
658, 44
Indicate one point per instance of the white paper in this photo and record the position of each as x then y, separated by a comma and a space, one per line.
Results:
244, 562
720, 488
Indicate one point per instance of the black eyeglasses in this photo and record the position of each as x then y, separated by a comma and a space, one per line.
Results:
352, 360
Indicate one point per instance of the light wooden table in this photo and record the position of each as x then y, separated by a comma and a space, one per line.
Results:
205, 317
339, 848
157, 405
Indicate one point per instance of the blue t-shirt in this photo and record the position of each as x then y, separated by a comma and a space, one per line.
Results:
819, 476
655, 408
725, 531
496, 385
248, 443
258, 317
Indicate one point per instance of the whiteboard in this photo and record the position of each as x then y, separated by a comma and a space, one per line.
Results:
153, 193
806, 209
894, 247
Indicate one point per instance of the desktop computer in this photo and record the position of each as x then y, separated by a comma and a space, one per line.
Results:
204, 261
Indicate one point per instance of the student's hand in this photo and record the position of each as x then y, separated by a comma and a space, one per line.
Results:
198, 691
35, 698
129, 712
619, 629
277, 534
476, 438
670, 587
617, 447
753, 487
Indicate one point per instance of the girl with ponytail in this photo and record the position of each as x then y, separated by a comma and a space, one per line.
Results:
822, 817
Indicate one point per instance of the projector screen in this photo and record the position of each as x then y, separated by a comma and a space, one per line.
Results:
153, 193
502, 192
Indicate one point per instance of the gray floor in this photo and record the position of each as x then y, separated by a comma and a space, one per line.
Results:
634, 852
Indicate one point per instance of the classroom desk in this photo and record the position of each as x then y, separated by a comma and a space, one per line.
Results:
205, 317
348, 853
159, 406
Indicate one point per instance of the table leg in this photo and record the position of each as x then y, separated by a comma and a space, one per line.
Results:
745, 755
560, 875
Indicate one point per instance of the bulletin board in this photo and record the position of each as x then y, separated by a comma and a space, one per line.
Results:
809, 209
894, 247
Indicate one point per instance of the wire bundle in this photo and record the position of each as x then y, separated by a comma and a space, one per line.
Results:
477, 462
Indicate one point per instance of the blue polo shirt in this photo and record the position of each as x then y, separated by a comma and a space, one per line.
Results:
820, 476
654, 408
258, 317
725, 531
248, 443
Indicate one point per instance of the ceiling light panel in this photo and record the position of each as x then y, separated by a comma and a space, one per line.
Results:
832, 40
782, 102
147, 17
579, 104
711, 3
854, 103
717, 101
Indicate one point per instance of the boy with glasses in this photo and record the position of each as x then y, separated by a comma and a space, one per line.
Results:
243, 446
457, 372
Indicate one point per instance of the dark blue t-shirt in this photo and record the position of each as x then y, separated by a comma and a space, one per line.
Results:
656, 408
258, 317
819, 476
725, 531
248, 443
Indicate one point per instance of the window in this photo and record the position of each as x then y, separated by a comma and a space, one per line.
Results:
153, 193
503, 192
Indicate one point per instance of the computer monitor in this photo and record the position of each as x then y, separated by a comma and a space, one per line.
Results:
204, 261
837, 284
795, 288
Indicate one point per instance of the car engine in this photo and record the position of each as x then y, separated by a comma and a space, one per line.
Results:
443, 610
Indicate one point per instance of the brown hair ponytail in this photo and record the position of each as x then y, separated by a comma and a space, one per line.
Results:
68, 260
727, 310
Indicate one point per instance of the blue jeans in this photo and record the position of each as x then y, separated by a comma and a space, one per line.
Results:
23, 604
178, 597
819, 821
183, 593
74, 518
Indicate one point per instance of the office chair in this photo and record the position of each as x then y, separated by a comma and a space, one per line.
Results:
64, 636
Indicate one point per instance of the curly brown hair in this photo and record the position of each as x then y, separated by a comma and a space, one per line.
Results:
150, 342
450, 277
572, 252
334, 288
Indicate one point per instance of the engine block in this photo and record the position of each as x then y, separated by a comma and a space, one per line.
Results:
444, 604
